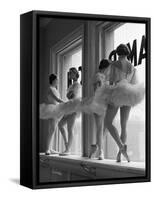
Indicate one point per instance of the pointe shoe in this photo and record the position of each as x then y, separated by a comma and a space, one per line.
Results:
66, 146
118, 157
124, 152
93, 150
47, 152
101, 155
53, 151
65, 153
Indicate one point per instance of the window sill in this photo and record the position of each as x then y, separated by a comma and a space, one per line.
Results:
93, 168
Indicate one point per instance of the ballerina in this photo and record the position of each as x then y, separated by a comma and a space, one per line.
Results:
121, 71
74, 91
53, 98
101, 75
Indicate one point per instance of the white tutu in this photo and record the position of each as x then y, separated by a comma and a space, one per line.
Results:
123, 94
48, 111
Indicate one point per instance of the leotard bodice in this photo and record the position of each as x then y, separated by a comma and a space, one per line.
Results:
120, 70
75, 88
50, 99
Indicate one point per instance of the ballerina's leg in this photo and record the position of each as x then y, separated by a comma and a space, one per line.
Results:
61, 127
52, 128
70, 128
70, 121
99, 120
124, 115
94, 147
110, 115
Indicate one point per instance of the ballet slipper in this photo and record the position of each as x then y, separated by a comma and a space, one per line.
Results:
47, 152
66, 146
65, 153
123, 150
53, 152
101, 155
118, 157
93, 150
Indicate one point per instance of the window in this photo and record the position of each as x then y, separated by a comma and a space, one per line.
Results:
69, 54
66, 54
133, 35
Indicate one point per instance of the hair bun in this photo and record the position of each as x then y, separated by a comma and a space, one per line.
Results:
122, 50
75, 71
52, 77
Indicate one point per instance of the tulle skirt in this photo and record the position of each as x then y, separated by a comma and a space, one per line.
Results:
123, 94
48, 111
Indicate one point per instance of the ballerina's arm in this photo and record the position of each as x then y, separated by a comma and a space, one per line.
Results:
59, 100
134, 79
